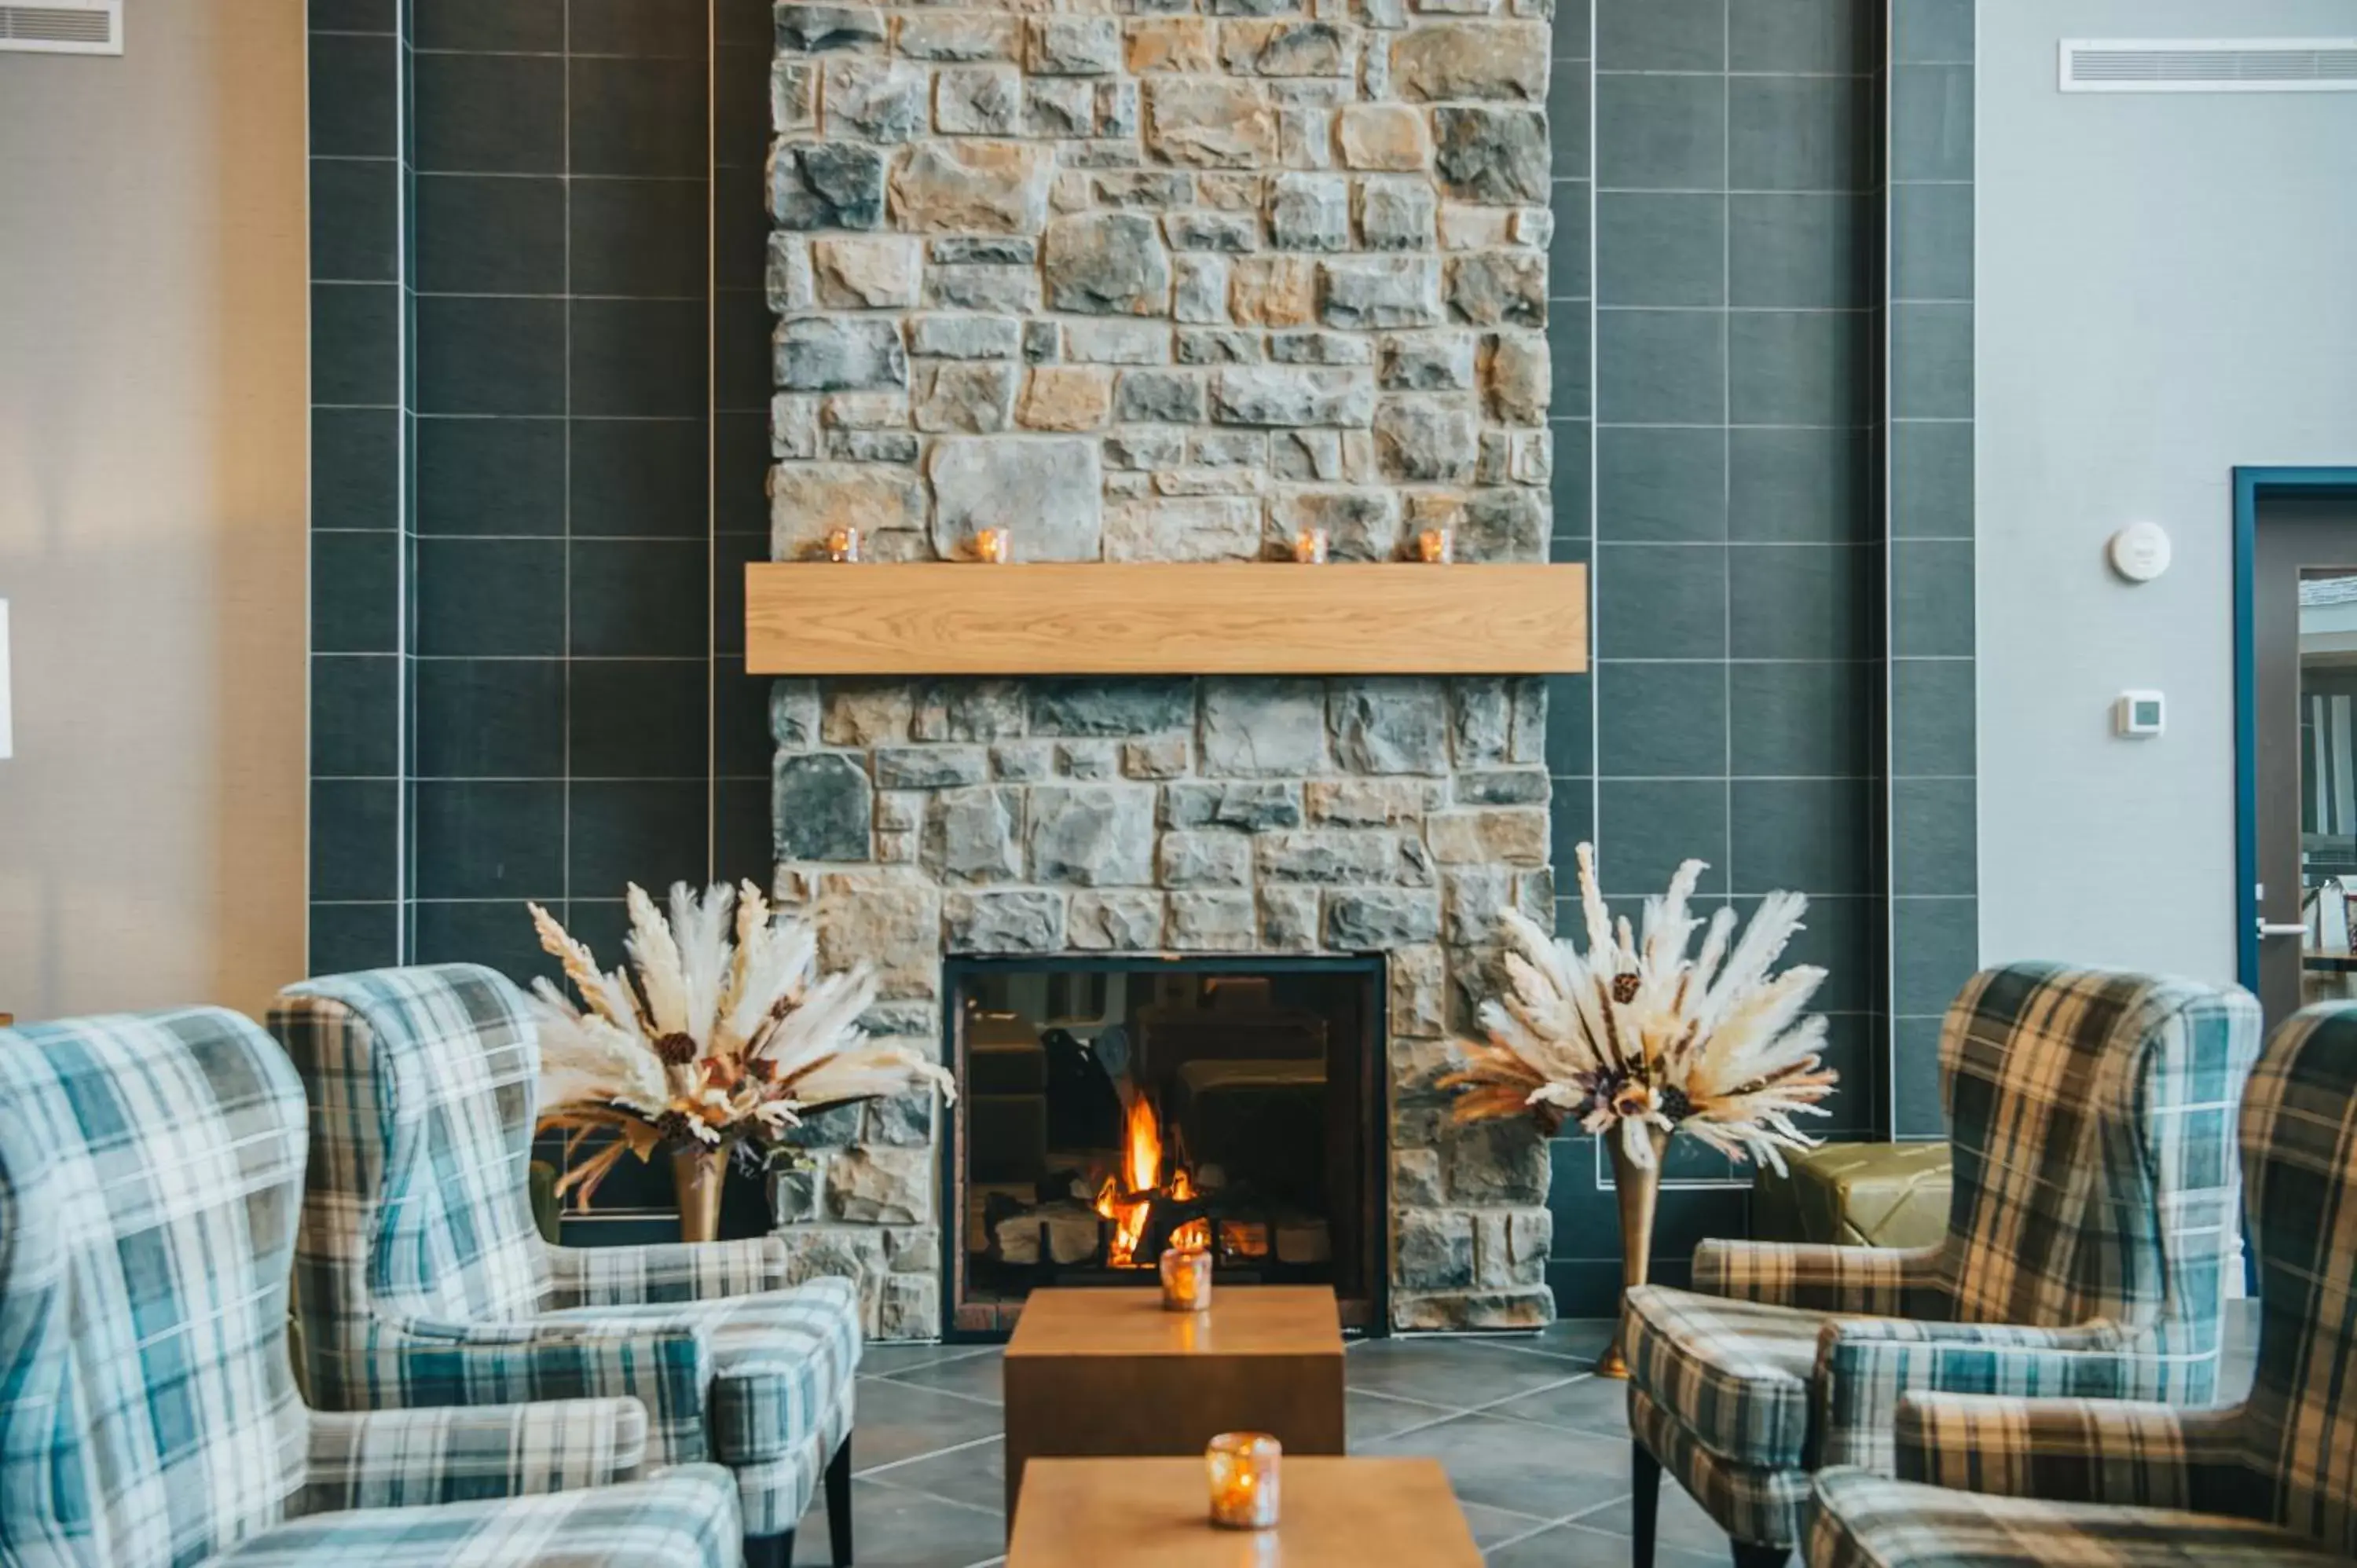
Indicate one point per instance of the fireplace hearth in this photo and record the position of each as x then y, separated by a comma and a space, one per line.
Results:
1110, 1107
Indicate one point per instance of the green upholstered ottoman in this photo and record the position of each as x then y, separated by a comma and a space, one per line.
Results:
1873, 1195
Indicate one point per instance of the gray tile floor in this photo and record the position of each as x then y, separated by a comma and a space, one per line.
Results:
1535, 1445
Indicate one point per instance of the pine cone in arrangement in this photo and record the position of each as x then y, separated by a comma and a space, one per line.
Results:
1624, 988
676, 1125
675, 1049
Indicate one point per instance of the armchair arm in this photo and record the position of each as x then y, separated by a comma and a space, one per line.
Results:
1816, 1277
402, 1458
2075, 1450
666, 1365
670, 1271
1864, 1364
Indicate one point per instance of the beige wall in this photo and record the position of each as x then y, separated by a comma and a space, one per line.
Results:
153, 454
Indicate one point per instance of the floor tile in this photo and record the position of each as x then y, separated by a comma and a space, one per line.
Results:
901, 1421
883, 1361
896, 1528
1588, 1403
1572, 1546
1680, 1521
971, 1376
1455, 1374
1367, 1417
1581, 1337
974, 1476
1543, 1471
1491, 1527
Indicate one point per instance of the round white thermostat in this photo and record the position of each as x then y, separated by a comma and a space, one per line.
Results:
2140, 552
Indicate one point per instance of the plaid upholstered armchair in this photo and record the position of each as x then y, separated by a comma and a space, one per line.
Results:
422, 1280
2090, 1225
2273, 1479
151, 1168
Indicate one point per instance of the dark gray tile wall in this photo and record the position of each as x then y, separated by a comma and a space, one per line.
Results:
1934, 883
564, 653
358, 169
1736, 709
526, 585
530, 517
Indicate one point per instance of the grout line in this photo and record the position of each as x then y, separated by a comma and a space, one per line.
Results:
945, 1394
1422, 1426
1540, 1527
564, 825
874, 1470
1398, 1399
712, 443
946, 1502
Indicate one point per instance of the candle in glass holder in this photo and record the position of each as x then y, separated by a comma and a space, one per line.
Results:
995, 545
1436, 546
842, 544
1243, 1471
1186, 1279
1311, 546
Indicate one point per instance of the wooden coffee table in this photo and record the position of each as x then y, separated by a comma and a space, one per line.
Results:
1107, 1372
1154, 1513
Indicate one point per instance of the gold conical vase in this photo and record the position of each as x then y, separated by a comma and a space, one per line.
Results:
695, 1176
1639, 1189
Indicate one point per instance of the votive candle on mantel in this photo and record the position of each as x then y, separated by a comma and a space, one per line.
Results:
1436, 546
1312, 547
1186, 1279
1242, 1470
995, 545
842, 544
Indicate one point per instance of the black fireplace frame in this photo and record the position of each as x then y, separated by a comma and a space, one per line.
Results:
1375, 1072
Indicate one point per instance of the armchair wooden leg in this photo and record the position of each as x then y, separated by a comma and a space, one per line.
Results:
1644, 1503
1754, 1555
770, 1550
838, 1504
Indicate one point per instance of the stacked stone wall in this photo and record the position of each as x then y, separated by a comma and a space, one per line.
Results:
1166, 281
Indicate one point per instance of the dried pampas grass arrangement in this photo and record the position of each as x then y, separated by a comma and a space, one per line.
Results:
719, 1033
1633, 1039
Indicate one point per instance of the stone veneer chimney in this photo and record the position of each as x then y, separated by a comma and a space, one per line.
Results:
1168, 283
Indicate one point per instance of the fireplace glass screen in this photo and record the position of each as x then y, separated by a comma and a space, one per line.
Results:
1108, 1110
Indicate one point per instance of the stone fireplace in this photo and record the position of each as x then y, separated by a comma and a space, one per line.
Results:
1394, 818
1171, 286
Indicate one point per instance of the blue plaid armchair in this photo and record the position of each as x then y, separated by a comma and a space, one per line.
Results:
150, 1172
2108, 1483
421, 1279
2089, 1230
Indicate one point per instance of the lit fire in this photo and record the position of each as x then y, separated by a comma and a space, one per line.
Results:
1127, 1197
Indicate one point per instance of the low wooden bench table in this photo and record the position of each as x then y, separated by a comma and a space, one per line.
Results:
1155, 1514
1109, 1372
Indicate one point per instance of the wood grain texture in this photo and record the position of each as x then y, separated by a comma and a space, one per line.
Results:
1244, 1320
1154, 1513
1214, 619
1110, 1372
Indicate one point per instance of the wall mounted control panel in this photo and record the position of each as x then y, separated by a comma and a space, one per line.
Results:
2140, 716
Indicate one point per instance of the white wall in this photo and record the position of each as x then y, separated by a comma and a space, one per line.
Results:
152, 512
2168, 287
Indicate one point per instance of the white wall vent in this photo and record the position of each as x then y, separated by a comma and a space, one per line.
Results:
62, 28
2209, 65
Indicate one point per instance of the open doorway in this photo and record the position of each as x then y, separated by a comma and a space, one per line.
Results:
2296, 624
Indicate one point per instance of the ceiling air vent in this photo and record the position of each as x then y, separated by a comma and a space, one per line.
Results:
62, 28
2209, 65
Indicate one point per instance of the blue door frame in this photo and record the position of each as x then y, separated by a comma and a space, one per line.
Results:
2252, 485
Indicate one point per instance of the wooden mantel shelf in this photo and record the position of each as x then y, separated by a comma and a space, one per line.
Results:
1211, 618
